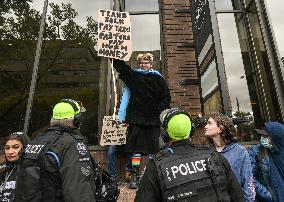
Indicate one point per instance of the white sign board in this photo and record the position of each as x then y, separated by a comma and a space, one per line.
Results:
114, 36
113, 132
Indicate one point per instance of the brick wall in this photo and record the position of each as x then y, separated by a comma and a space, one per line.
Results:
179, 61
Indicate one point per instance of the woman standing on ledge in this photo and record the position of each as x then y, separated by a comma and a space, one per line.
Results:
149, 95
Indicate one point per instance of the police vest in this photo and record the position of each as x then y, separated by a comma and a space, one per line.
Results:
33, 178
198, 176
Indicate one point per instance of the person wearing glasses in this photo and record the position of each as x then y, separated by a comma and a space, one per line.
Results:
14, 146
57, 165
146, 96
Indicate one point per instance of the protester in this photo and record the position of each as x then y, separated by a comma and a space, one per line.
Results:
184, 172
268, 163
14, 146
57, 165
221, 134
145, 96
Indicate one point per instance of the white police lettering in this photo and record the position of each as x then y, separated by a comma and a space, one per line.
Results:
186, 168
168, 174
82, 149
34, 149
10, 185
180, 196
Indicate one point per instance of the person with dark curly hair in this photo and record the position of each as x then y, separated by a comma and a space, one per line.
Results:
222, 135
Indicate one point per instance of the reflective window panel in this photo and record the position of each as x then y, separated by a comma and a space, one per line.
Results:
138, 5
210, 90
275, 10
69, 66
223, 5
145, 33
238, 73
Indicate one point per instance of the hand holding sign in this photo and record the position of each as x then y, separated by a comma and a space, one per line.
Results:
114, 36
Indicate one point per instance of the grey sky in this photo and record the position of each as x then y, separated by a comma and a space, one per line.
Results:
90, 7
275, 8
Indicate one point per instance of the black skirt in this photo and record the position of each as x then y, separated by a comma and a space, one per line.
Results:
142, 139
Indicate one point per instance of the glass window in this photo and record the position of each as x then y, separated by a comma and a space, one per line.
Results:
138, 5
69, 67
17, 46
145, 33
264, 66
240, 79
234, 66
275, 10
247, 70
223, 5
210, 90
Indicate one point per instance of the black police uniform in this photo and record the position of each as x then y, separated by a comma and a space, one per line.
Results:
189, 174
8, 175
66, 171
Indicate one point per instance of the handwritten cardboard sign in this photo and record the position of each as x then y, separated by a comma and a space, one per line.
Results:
113, 132
114, 36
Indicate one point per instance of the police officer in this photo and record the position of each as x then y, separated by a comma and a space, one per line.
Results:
183, 172
57, 166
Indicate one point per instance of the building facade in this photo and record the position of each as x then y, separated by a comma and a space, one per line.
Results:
222, 55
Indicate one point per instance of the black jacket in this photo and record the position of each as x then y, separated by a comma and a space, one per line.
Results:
149, 95
8, 175
69, 178
150, 189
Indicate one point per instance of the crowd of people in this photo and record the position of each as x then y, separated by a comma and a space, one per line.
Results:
199, 160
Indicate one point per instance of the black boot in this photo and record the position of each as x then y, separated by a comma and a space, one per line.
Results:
134, 178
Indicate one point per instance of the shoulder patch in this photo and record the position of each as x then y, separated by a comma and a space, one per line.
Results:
82, 149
